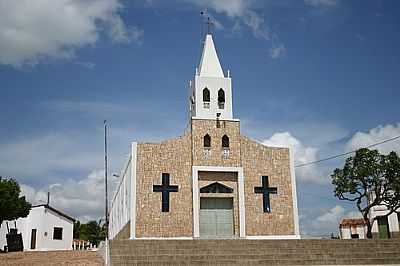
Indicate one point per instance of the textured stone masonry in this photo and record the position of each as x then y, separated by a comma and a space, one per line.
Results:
177, 156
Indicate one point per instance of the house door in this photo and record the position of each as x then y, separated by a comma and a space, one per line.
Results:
216, 217
33, 239
383, 227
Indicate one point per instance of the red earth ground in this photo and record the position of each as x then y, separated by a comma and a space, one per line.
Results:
73, 257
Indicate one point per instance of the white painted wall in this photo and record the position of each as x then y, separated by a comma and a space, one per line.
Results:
346, 231
213, 84
43, 220
120, 211
392, 219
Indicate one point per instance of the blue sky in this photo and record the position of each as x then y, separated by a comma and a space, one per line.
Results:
318, 75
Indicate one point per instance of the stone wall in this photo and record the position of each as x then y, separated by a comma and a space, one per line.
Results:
125, 232
177, 157
173, 157
259, 160
230, 128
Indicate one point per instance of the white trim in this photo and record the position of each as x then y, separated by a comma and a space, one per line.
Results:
242, 209
221, 119
165, 238
196, 203
294, 194
196, 197
273, 237
133, 190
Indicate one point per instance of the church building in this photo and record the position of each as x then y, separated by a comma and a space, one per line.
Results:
211, 182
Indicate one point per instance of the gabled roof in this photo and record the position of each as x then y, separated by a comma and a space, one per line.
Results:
46, 206
209, 63
352, 222
216, 188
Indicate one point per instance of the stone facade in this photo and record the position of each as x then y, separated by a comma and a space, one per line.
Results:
173, 157
258, 160
178, 156
200, 128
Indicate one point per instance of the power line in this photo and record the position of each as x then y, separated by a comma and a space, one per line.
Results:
347, 153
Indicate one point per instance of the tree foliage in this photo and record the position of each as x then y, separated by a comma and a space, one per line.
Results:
369, 179
12, 206
92, 231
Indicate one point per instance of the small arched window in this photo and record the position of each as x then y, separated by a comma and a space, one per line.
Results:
221, 99
207, 141
206, 95
225, 141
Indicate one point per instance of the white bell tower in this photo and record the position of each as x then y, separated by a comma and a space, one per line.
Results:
210, 90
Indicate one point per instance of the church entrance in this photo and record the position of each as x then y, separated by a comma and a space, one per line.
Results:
216, 217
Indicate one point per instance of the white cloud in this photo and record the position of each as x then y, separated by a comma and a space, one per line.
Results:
378, 134
44, 155
240, 10
278, 51
321, 3
328, 221
302, 154
82, 199
33, 30
232, 8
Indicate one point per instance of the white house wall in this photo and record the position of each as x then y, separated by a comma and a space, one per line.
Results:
392, 220
44, 221
50, 220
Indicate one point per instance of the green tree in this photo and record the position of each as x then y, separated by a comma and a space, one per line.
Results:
93, 231
369, 179
12, 206
77, 228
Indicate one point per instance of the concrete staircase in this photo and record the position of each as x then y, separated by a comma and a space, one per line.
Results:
254, 252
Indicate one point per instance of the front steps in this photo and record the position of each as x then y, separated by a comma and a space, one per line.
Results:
254, 252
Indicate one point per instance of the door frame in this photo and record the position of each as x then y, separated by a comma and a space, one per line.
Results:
196, 196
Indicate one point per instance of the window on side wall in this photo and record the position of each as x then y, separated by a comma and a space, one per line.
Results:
57, 233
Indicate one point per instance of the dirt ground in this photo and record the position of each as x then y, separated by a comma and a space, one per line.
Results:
73, 257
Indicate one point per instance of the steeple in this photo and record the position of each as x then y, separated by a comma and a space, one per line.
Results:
209, 63
210, 90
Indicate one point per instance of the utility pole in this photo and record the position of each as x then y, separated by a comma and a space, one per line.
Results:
105, 176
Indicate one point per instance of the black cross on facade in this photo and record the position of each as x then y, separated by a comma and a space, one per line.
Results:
266, 190
165, 189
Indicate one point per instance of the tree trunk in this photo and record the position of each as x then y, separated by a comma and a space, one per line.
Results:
369, 227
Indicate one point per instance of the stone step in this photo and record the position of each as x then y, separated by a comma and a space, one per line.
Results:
277, 255
243, 256
256, 242
252, 249
253, 252
258, 247
365, 261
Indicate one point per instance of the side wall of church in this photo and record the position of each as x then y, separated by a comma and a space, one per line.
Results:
125, 232
173, 157
259, 160
230, 128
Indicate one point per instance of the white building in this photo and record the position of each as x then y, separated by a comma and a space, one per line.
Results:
353, 229
45, 228
385, 227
